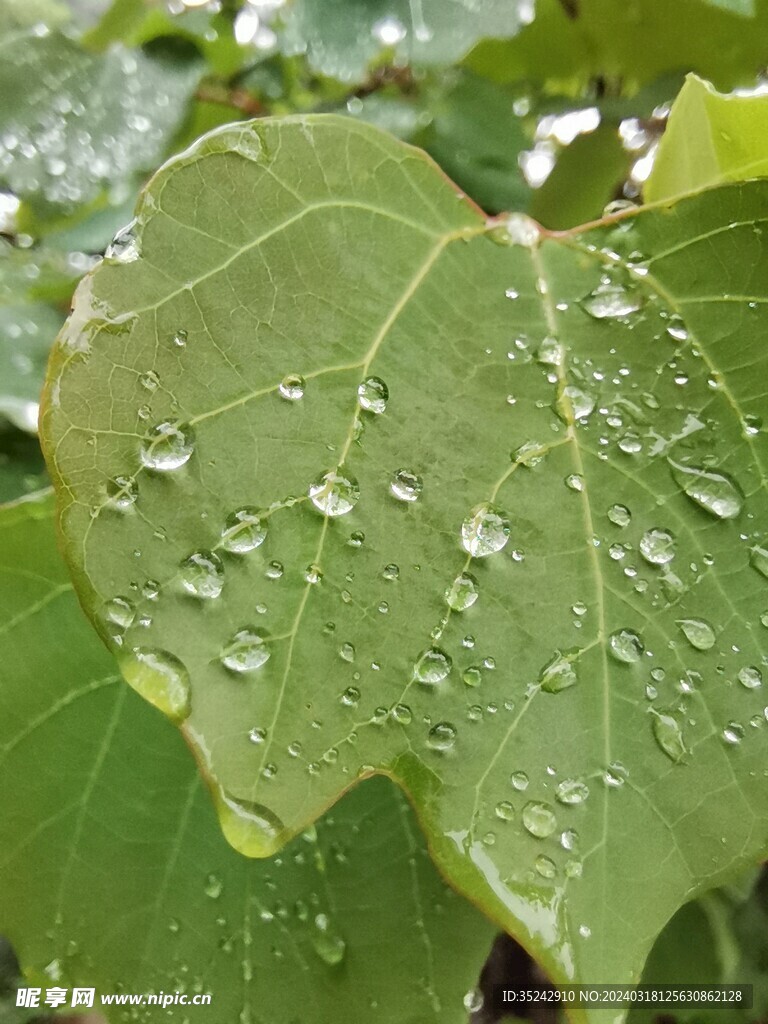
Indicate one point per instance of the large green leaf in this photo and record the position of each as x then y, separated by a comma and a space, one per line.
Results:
114, 874
74, 124
585, 742
630, 44
710, 138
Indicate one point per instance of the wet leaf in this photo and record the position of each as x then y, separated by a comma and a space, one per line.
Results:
114, 873
571, 420
711, 138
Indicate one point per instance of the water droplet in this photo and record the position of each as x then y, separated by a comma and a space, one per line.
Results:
571, 791
213, 887
402, 714
257, 735
118, 612
389, 31
619, 515
391, 572
519, 780
432, 666
484, 531
160, 678
246, 651
327, 943
550, 352
610, 301
545, 866
715, 492
243, 531
202, 574
406, 486
442, 736
626, 645
149, 380
473, 1000
462, 593
698, 633
517, 229
313, 574
291, 387
347, 652
472, 676
124, 247
122, 492
373, 395
584, 931
579, 403
750, 677
180, 339
668, 733
251, 828
758, 559
615, 775
574, 482
558, 674
505, 810
167, 446
356, 539
335, 493
733, 733
657, 546
539, 819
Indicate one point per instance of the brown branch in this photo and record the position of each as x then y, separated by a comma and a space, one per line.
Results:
240, 99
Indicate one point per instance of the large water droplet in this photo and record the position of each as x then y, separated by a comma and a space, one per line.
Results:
251, 828
291, 387
118, 612
619, 515
202, 574
714, 492
750, 677
698, 633
626, 645
462, 593
406, 486
558, 674
571, 791
335, 493
668, 733
539, 819
167, 446
160, 678
576, 403
432, 666
442, 736
373, 395
657, 546
243, 531
485, 530
611, 301
245, 652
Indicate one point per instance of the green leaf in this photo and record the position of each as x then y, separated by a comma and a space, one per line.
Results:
89, 123
114, 873
341, 38
628, 45
584, 410
22, 470
710, 138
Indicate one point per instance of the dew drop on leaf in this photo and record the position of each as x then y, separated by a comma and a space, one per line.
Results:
619, 515
472, 676
626, 645
334, 493
750, 677
373, 395
733, 733
119, 612
758, 559
202, 574
571, 791
519, 780
715, 492
442, 736
668, 733
657, 546
539, 819
167, 446
698, 633
505, 811
161, 678
124, 247
558, 674
432, 666
611, 301
122, 492
291, 387
326, 941
245, 652
251, 828
545, 866
243, 531
406, 486
462, 593
484, 531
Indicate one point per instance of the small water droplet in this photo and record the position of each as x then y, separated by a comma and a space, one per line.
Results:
579, 403
615, 775
558, 674
213, 887
750, 677
406, 486
180, 339
574, 482
485, 530
124, 247
313, 574
442, 736
571, 791
473, 1000
462, 593
619, 515
291, 387
698, 632
505, 811
202, 574
391, 572
657, 546
161, 678
539, 819
472, 676
251, 828
545, 866
257, 735
373, 395
609, 301
668, 733
327, 943
245, 652
335, 493
122, 492
715, 492
149, 380
519, 780
733, 733
626, 645
432, 666
243, 531
347, 652
118, 612
167, 446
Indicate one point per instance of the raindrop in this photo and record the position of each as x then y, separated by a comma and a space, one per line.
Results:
313, 574
668, 733
389, 31
462, 593
758, 559
334, 493
472, 676
611, 301
698, 633
432, 666
160, 678
581, 402
213, 887
714, 492
149, 380
402, 714
180, 339
347, 652
473, 1000
250, 828
391, 572
119, 612
350, 697
518, 229
406, 486
257, 735
167, 446
626, 645
243, 531
619, 515
202, 574
550, 352
327, 942
373, 395
245, 652
545, 866
485, 530
124, 247
442, 736
615, 775
750, 677
505, 810
539, 819
574, 482
733, 733
519, 780
558, 674
291, 387
657, 546
122, 492
571, 791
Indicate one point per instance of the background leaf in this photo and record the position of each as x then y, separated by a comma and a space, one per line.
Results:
114, 874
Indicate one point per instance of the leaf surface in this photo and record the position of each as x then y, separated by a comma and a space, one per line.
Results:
574, 421
114, 874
